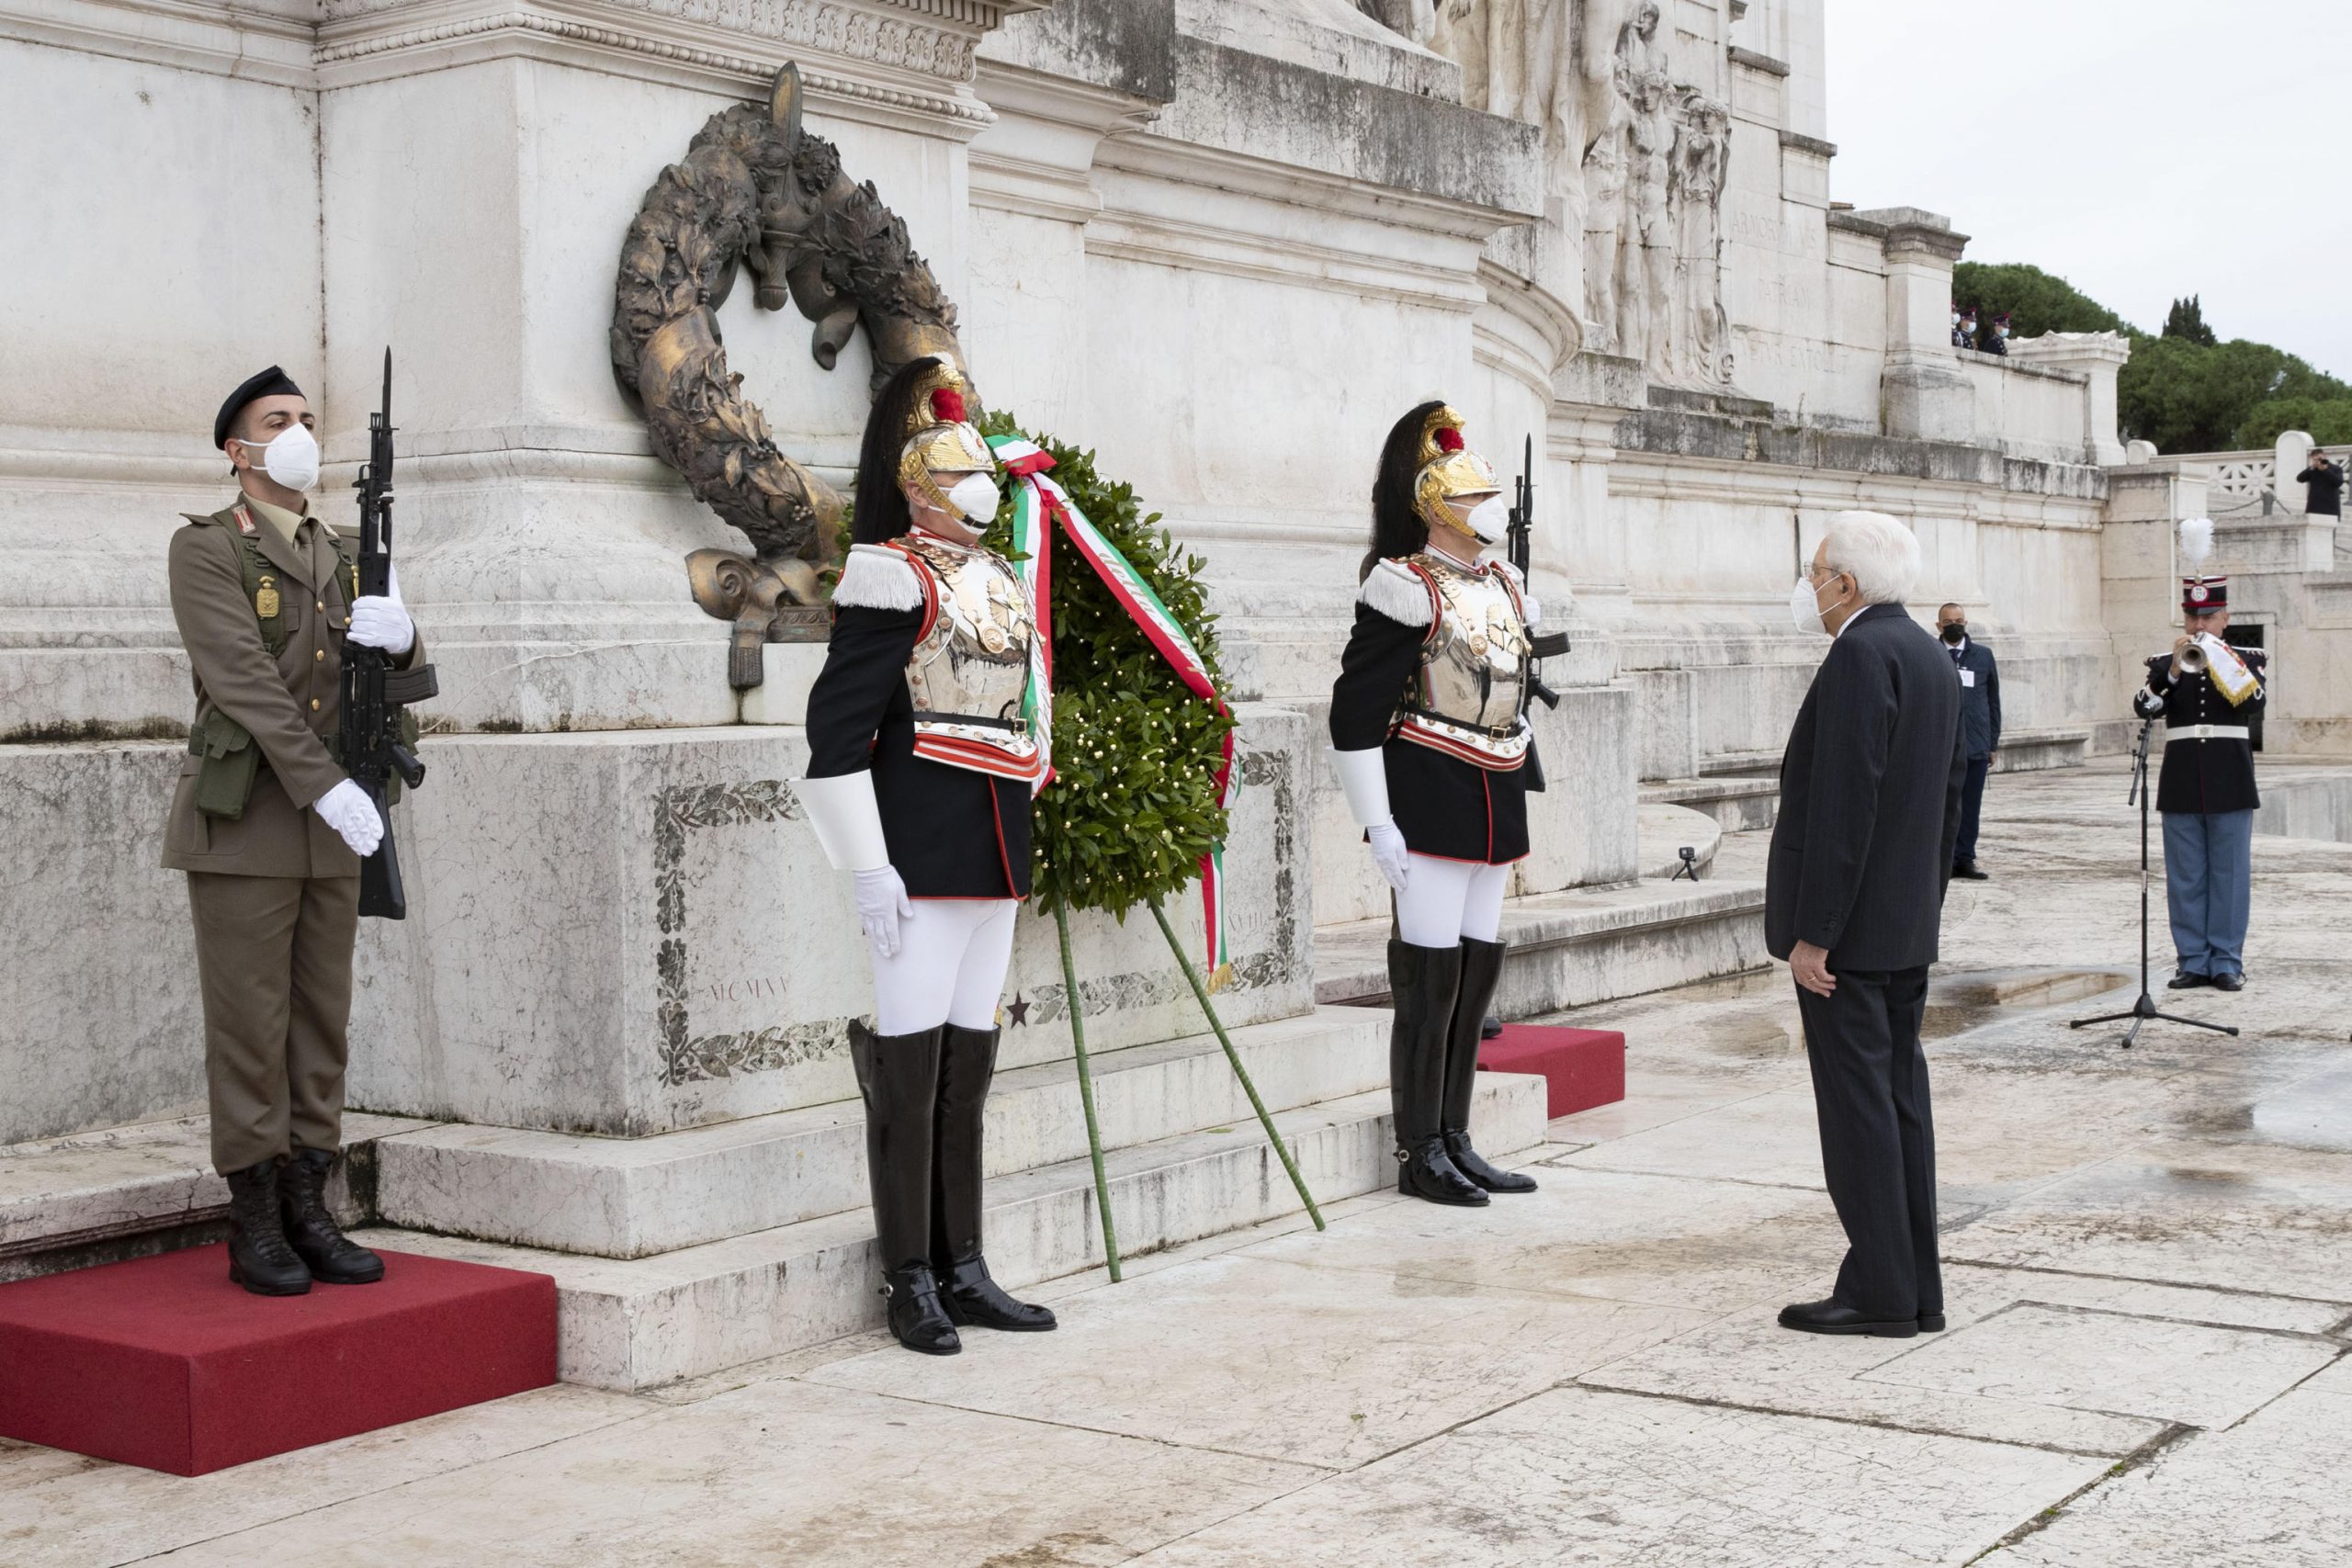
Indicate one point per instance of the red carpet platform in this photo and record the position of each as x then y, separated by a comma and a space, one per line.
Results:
162, 1363
1585, 1067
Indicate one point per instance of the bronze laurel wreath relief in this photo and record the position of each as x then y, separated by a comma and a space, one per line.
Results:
756, 189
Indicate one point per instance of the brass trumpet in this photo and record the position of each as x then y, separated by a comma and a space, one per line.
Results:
2210, 656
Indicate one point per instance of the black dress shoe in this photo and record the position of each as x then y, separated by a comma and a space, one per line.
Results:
1425, 1171
1835, 1317
917, 1319
1473, 1164
2185, 981
973, 1299
1931, 1323
2229, 982
1966, 871
332, 1258
1491, 1028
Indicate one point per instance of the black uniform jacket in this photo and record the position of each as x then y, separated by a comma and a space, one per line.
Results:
952, 833
1870, 800
1445, 807
2202, 777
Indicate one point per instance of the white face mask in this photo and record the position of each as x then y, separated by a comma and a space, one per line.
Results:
974, 495
1804, 608
290, 457
1489, 519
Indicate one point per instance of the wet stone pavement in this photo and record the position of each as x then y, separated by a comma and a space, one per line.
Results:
2148, 1263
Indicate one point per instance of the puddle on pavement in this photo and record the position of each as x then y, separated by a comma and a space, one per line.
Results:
1957, 1003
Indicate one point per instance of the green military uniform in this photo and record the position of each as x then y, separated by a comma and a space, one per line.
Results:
263, 598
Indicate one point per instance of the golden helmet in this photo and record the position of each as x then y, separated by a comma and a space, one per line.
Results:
941, 439
1448, 466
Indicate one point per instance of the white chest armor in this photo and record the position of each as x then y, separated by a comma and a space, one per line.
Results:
968, 675
1467, 697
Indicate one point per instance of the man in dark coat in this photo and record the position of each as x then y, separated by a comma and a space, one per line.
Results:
1869, 811
2323, 483
1980, 723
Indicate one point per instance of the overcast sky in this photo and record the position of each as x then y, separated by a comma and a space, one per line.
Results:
2139, 149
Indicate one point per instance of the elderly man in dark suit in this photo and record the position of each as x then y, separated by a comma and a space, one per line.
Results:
1870, 812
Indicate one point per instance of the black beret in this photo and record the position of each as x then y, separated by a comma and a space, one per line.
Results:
271, 383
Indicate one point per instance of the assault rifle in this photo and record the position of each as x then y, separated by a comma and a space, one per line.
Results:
1550, 645
377, 734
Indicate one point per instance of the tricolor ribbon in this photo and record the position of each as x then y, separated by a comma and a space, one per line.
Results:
1037, 503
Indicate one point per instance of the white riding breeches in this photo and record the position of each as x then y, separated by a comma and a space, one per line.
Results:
949, 968
1445, 900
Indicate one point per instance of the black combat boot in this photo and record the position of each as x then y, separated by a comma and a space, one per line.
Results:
899, 1077
259, 1258
1422, 983
334, 1257
1482, 970
966, 1063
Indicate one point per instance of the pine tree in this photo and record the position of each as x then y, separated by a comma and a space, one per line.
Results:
2187, 320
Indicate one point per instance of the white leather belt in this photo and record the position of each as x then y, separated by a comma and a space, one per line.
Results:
2206, 732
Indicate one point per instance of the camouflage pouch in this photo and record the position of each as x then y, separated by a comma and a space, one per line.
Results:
224, 783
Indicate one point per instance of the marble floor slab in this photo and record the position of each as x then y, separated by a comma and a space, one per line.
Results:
1352, 1365
785, 1472
1578, 1476
2265, 1494
2195, 1373
1661, 1240
61, 1510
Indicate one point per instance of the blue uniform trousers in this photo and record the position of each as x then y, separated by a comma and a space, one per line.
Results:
1971, 810
2208, 887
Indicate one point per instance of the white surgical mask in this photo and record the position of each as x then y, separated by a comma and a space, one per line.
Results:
1489, 519
1804, 608
974, 495
290, 457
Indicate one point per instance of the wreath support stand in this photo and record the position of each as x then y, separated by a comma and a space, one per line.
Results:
1086, 1091
1232, 1057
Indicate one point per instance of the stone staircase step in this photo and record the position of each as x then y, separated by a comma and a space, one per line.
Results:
1589, 945
1738, 803
642, 1197
120, 1192
637, 1324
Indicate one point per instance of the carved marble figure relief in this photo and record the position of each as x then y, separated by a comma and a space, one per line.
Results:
1638, 158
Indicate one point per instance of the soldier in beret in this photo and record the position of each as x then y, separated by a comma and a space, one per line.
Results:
271, 831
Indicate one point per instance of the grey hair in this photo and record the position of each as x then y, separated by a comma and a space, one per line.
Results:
1879, 553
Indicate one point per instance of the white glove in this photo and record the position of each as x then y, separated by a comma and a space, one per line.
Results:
1388, 854
347, 809
882, 903
382, 621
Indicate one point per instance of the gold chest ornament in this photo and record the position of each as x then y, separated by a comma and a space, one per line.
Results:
1467, 695
969, 673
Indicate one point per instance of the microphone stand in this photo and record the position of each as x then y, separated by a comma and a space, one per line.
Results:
2145, 1008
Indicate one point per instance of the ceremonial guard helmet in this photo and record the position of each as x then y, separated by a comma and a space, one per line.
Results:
940, 437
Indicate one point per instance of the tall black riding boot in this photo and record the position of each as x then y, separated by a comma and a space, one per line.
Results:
259, 1258
1422, 983
1482, 970
966, 1063
334, 1257
899, 1076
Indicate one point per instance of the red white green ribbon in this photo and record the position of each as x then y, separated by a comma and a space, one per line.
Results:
1037, 502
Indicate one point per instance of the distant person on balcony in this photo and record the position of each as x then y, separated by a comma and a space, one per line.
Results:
1963, 327
1997, 340
1980, 721
2323, 483
1853, 901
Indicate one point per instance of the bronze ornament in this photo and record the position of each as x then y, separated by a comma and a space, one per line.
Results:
756, 189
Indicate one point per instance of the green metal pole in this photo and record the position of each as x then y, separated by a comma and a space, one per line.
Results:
1234, 1057
1086, 1095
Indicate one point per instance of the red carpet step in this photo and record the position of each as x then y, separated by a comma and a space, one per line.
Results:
1584, 1068
162, 1363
